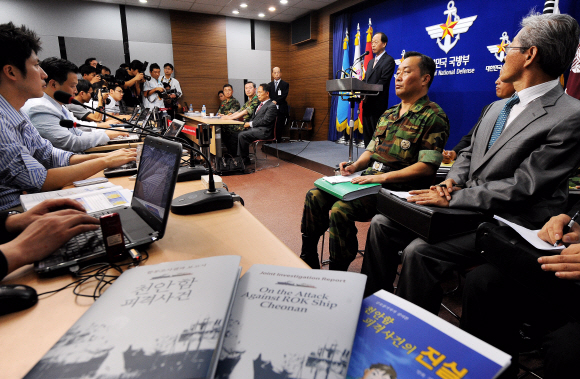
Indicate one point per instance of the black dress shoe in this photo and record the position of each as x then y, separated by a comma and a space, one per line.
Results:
247, 161
311, 260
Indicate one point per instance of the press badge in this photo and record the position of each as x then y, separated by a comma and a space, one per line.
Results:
378, 166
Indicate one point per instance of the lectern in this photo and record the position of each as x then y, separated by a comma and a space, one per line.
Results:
352, 89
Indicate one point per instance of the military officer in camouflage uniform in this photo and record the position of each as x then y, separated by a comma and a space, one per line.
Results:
230, 132
405, 153
229, 105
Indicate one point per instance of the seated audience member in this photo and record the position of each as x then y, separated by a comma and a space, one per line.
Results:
84, 95
229, 105
28, 162
404, 153
518, 172
503, 91
230, 132
116, 98
89, 73
92, 62
46, 113
33, 235
153, 88
260, 126
134, 78
221, 96
489, 289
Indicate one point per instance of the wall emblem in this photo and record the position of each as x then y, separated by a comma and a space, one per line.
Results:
499, 50
447, 35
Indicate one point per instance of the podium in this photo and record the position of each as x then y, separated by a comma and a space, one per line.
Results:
352, 89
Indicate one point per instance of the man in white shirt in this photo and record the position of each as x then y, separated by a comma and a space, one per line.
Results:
153, 88
167, 80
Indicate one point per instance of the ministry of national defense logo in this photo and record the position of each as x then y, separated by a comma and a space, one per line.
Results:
398, 61
499, 50
447, 34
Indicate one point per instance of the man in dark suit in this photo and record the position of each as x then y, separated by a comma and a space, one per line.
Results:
379, 71
520, 156
278, 93
261, 125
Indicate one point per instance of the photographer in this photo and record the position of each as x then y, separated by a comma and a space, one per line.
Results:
172, 88
153, 89
132, 78
89, 73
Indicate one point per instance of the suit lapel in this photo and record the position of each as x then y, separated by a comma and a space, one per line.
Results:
370, 69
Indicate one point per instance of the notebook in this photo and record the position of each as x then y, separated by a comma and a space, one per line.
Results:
144, 221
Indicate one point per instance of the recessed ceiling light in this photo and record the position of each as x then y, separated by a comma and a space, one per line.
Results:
243, 5
236, 11
261, 15
283, 1
271, 9
143, 1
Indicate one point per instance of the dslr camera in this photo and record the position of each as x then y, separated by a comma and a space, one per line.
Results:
112, 81
143, 68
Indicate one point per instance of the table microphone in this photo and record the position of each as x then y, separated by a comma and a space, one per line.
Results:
201, 201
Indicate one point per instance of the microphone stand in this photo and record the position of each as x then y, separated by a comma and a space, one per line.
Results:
185, 174
195, 202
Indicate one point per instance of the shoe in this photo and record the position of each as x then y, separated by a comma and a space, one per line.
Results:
309, 253
247, 161
337, 266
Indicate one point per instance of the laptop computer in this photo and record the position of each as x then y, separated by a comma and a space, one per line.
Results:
134, 116
144, 221
174, 128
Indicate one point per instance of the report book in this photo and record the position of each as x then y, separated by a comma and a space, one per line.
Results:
291, 323
394, 334
159, 321
347, 191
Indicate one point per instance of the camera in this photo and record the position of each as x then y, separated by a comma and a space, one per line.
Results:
112, 81
104, 90
142, 69
165, 94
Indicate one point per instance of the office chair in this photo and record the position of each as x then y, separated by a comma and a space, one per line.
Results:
254, 146
305, 123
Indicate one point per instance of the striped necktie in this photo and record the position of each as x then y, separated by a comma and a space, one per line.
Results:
259, 107
502, 119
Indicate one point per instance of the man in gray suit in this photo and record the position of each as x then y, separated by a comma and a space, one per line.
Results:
261, 125
521, 154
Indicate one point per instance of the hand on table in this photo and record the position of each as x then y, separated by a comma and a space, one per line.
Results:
120, 157
17, 223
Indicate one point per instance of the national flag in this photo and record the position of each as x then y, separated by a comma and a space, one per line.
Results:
573, 85
357, 73
342, 109
369, 49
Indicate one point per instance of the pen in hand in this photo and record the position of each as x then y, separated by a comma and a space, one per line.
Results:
567, 228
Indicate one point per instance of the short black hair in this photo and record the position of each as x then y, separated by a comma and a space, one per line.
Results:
58, 69
384, 37
136, 65
105, 68
86, 69
222, 92
83, 86
89, 60
154, 66
168, 64
114, 86
228, 85
265, 87
252, 83
426, 65
123, 65
17, 43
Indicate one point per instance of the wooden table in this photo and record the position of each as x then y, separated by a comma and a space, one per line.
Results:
114, 146
216, 140
27, 335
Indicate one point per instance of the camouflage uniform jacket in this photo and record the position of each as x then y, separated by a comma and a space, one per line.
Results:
229, 106
419, 135
250, 106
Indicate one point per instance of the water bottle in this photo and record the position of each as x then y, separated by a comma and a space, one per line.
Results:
203, 111
190, 108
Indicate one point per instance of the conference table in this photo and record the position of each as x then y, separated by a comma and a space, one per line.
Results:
215, 147
27, 335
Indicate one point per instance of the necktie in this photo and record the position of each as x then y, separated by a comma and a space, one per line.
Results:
275, 86
260, 106
375, 63
502, 119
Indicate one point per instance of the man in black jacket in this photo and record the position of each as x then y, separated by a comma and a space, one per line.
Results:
379, 71
278, 93
262, 124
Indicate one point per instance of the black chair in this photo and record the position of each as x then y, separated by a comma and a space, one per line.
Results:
305, 124
254, 146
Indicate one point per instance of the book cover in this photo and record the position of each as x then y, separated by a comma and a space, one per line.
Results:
291, 323
397, 338
159, 321
347, 191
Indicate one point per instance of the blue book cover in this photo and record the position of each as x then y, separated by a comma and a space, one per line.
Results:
397, 339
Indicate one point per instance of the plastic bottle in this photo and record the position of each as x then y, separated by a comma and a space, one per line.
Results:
203, 111
190, 108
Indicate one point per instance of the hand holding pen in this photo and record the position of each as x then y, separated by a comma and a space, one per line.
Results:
567, 228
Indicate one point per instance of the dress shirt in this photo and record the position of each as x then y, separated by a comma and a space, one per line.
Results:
378, 57
25, 156
527, 96
259, 107
156, 100
46, 114
174, 84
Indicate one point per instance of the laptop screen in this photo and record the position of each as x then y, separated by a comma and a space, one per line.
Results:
155, 181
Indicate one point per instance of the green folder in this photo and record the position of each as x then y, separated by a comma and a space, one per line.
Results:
347, 191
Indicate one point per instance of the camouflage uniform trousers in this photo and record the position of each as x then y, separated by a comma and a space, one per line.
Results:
343, 242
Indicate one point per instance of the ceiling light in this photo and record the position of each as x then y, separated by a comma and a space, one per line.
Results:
235, 11
261, 15
283, 1
271, 9
143, 1
243, 5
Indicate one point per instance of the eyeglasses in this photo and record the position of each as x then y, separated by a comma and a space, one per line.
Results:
120, 91
507, 48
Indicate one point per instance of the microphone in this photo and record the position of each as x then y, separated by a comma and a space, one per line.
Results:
66, 98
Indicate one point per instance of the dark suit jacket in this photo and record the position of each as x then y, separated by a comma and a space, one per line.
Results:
280, 100
264, 120
381, 74
524, 174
